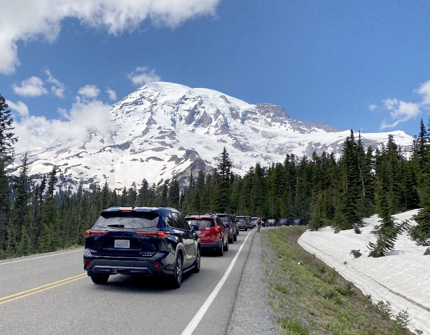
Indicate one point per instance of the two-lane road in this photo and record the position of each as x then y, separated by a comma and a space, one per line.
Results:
51, 294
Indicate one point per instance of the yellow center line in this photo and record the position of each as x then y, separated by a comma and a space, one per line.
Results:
42, 288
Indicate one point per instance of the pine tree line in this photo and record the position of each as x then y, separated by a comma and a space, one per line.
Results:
34, 217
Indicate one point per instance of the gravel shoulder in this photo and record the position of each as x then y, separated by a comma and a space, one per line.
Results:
251, 312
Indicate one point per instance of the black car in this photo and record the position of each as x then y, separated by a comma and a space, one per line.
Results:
242, 222
285, 222
231, 225
141, 240
300, 222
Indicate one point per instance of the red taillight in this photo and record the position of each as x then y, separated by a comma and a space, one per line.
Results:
87, 264
229, 224
125, 211
158, 234
215, 229
157, 266
95, 233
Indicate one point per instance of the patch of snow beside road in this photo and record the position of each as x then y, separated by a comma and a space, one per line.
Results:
401, 278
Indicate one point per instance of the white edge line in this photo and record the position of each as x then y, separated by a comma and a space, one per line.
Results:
202, 311
29, 259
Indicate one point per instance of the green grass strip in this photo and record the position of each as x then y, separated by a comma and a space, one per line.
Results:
308, 297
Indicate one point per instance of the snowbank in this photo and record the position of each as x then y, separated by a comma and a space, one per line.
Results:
401, 278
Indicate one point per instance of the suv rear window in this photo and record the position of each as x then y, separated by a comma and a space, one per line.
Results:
201, 222
127, 220
224, 218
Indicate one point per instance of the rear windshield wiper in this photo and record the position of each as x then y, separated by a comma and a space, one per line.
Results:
116, 225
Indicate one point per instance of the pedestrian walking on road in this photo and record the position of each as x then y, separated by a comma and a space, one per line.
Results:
258, 224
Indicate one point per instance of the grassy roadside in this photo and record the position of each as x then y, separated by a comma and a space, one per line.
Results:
309, 297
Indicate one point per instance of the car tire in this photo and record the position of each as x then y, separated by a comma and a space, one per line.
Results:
220, 251
235, 236
226, 247
176, 279
99, 278
197, 261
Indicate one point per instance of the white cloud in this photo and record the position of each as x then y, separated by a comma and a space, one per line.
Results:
391, 104
31, 87
142, 75
29, 20
400, 111
372, 107
19, 107
89, 91
424, 90
37, 132
112, 94
57, 87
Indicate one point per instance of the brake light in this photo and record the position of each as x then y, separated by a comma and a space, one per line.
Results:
157, 234
87, 264
215, 229
95, 233
125, 211
229, 224
157, 266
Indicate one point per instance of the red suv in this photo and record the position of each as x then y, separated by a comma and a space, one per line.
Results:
211, 231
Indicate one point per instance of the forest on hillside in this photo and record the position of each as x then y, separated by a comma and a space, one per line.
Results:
37, 217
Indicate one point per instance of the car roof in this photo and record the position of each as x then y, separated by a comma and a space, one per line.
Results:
204, 215
140, 209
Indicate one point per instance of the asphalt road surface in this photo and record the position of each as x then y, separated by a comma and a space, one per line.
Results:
51, 294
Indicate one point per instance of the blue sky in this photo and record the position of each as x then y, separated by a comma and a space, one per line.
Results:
362, 65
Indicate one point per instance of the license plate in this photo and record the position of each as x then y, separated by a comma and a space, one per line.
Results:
123, 244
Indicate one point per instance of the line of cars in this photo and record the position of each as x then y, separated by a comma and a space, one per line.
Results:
156, 241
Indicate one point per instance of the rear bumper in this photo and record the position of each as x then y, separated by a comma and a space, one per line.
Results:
110, 266
214, 245
137, 265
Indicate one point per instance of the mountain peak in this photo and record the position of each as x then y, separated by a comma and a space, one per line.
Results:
163, 130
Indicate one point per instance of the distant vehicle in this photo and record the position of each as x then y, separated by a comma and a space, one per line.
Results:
154, 241
300, 222
241, 223
249, 222
231, 225
254, 221
285, 222
273, 222
264, 222
211, 231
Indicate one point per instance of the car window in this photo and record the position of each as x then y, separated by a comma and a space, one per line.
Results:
182, 221
219, 222
170, 221
177, 221
127, 220
201, 222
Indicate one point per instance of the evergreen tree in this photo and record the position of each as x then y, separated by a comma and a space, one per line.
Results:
7, 137
421, 232
48, 239
222, 177
143, 194
7, 140
20, 208
350, 196
174, 193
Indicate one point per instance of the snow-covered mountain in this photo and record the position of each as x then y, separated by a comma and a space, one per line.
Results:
164, 130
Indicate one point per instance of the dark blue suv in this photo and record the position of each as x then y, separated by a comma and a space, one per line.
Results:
141, 240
